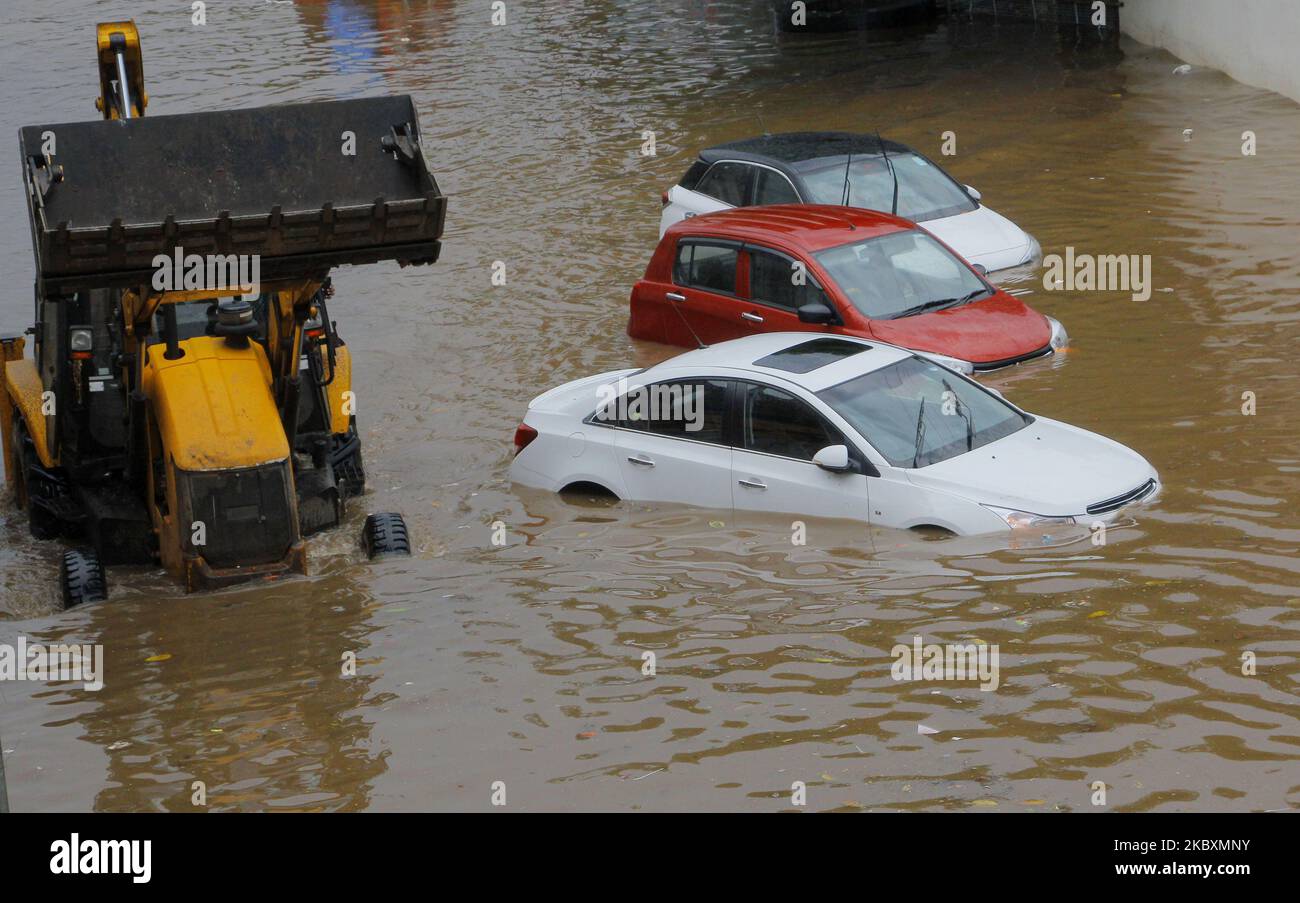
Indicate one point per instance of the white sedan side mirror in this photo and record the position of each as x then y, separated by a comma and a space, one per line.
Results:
972, 192
834, 458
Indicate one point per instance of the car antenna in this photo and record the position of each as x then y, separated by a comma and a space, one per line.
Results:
761, 124
687, 324
884, 153
844, 195
920, 433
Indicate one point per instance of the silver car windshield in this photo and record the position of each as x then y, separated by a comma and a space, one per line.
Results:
924, 190
901, 274
916, 413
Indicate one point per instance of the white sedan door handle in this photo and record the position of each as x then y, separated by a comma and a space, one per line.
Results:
641, 459
753, 484
753, 318
674, 296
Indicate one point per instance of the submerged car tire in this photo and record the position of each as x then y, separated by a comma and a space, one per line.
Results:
385, 534
81, 576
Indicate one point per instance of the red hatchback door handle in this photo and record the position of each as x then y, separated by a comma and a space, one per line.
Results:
674, 296
753, 318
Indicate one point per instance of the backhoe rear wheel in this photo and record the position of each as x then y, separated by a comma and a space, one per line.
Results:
82, 578
385, 534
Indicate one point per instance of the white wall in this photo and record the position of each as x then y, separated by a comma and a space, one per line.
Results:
1254, 41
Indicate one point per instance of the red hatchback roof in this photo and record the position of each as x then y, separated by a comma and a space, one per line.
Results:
813, 227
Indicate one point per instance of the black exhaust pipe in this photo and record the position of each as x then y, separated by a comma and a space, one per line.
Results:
170, 334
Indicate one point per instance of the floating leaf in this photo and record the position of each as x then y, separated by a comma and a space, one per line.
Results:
161, 657
717, 524
1099, 614
985, 803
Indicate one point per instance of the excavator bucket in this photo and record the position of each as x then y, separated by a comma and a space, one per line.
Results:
306, 187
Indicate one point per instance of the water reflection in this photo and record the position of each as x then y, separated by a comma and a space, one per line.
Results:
524, 663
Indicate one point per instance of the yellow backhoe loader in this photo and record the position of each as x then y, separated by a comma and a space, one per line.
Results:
188, 400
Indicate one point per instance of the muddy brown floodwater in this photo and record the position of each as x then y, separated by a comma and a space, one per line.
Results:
522, 664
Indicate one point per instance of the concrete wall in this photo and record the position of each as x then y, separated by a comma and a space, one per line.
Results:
1255, 41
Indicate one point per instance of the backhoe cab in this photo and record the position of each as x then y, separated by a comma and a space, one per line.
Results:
188, 400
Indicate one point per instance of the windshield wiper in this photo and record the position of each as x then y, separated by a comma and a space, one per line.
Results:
920, 308
970, 296
940, 303
965, 415
920, 434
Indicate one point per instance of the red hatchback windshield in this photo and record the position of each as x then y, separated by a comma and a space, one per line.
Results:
901, 274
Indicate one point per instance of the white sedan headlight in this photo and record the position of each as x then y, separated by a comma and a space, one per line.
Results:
1034, 252
1060, 338
1017, 520
966, 368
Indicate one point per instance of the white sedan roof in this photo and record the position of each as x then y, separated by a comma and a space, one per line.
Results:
744, 355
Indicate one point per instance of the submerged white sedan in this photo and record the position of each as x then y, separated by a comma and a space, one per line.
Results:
824, 426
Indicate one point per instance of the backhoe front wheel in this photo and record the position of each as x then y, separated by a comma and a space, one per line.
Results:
385, 534
82, 579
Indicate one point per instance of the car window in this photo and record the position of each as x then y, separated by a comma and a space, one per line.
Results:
694, 174
774, 279
774, 188
900, 274
916, 413
925, 191
681, 409
707, 266
727, 182
778, 423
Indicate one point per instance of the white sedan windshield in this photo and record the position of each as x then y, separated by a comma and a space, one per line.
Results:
924, 190
901, 274
917, 413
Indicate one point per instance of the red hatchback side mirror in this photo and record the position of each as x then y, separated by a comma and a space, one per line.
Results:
817, 313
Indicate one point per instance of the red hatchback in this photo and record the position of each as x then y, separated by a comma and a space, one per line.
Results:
844, 270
